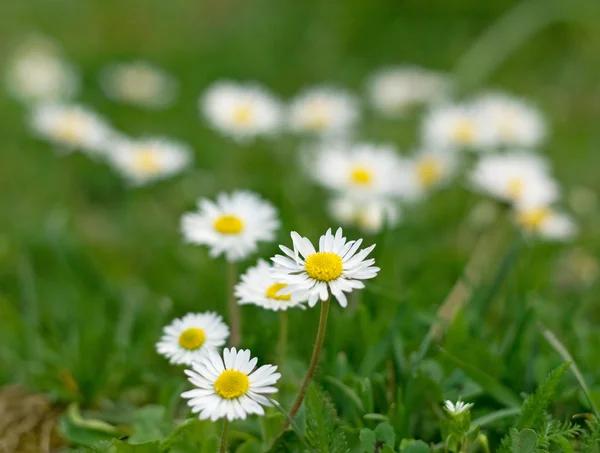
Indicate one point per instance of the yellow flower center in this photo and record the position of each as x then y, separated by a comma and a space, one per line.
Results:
464, 132
274, 289
361, 176
507, 126
192, 338
69, 128
429, 172
242, 115
232, 384
318, 115
229, 224
532, 219
146, 161
516, 187
324, 266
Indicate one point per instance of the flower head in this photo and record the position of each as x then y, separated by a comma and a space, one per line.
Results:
229, 387
242, 111
368, 215
232, 225
426, 171
457, 126
545, 222
337, 268
258, 287
457, 408
188, 339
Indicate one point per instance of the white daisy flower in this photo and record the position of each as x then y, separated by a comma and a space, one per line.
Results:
70, 127
149, 159
258, 287
37, 72
362, 171
139, 83
546, 223
458, 126
336, 268
323, 110
457, 408
521, 178
188, 339
243, 111
510, 121
233, 225
369, 215
427, 170
395, 90
229, 387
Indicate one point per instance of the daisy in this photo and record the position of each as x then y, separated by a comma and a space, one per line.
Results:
451, 125
546, 223
233, 225
243, 111
361, 171
336, 268
258, 287
394, 90
188, 339
457, 408
520, 178
428, 170
70, 127
139, 83
370, 216
229, 387
323, 110
149, 159
37, 72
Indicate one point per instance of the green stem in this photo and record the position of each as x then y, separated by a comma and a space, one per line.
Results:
235, 319
283, 335
223, 448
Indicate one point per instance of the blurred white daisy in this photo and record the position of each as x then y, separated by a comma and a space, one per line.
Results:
546, 223
370, 216
510, 121
36, 71
427, 170
521, 178
70, 127
187, 339
139, 83
395, 90
230, 387
258, 287
335, 269
457, 408
233, 225
149, 159
458, 126
362, 171
242, 111
323, 110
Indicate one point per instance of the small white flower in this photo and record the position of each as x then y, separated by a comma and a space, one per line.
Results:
395, 90
362, 171
188, 339
458, 126
336, 268
510, 121
70, 127
521, 178
258, 287
37, 72
139, 83
458, 408
149, 159
546, 223
233, 225
369, 215
243, 111
323, 110
229, 387
426, 171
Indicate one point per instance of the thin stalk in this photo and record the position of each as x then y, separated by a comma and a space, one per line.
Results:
223, 447
283, 336
313, 364
235, 318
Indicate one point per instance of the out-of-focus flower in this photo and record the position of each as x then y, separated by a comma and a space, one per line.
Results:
521, 178
545, 222
258, 287
370, 216
139, 83
233, 225
149, 159
242, 111
36, 71
187, 339
323, 110
453, 125
71, 127
426, 171
394, 90
577, 269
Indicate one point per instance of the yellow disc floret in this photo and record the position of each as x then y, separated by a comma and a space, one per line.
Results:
516, 187
464, 133
146, 161
232, 384
274, 289
361, 176
70, 128
242, 115
429, 172
192, 338
532, 219
229, 224
324, 266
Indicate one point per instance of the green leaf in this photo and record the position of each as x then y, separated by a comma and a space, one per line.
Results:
322, 432
146, 447
250, 446
385, 433
350, 393
192, 435
77, 430
416, 446
149, 424
367, 440
270, 425
523, 441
